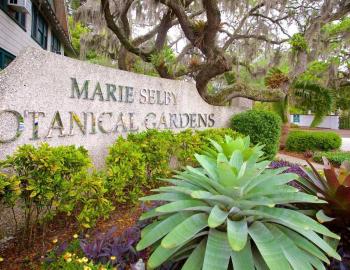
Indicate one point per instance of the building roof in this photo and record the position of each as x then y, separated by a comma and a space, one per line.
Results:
55, 13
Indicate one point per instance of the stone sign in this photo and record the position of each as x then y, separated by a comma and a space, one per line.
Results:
46, 97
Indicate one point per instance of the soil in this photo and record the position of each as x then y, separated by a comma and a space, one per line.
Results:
292, 154
21, 258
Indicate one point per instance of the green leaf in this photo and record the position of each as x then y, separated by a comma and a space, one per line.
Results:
263, 177
322, 217
227, 177
151, 214
296, 197
159, 256
217, 146
218, 252
216, 217
208, 165
149, 227
294, 255
275, 180
268, 247
236, 159
204, 195
292, 218
185, 231
313, 237
180, 205
243, 259
161, 229
195, 260
237, 234
304, 244
166, 197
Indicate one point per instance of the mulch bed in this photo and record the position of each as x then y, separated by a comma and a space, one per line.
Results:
20, 258
292, 154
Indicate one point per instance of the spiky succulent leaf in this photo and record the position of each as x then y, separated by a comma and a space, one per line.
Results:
332, 187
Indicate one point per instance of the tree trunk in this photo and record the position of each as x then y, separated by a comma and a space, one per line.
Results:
285, 124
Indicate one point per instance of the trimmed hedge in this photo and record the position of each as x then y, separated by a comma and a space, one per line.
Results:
336, 158
263, 127
301, 141
135, 164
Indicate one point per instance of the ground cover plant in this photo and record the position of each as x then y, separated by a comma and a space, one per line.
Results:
262, 127
334, 157
301, 141
234, 212
104, 250
290, 167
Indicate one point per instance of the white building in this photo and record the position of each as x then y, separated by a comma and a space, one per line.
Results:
35, 23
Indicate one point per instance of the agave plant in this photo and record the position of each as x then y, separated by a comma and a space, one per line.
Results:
233, 212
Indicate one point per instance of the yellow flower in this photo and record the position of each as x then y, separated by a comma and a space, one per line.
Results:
87, 268
84, 260
55, 240
75, 236
67, 256
1, 259
113, 258
69, 260
102, 268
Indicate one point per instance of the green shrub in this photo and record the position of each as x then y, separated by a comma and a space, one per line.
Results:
135, 164
300, 141
263, 127
233, 212
157, 148
87, 194
336, 157
47, 180
10, 190
126, 171
216, 134
189, 142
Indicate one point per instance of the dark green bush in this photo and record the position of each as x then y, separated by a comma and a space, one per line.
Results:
335, 157
301, 141
263, 127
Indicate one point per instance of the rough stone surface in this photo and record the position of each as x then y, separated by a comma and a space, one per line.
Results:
39, 81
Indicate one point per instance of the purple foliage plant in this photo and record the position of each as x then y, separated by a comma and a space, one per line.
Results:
291, 168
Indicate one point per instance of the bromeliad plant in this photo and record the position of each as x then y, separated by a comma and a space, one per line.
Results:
233, 212
333, 187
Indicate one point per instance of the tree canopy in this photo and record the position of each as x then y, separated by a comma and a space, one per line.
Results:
262, 50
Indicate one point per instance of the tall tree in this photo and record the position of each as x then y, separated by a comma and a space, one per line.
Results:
227, 46
213, 28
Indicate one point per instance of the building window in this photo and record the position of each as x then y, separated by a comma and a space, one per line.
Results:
5, 58
39, 28
18, 17
55, 44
